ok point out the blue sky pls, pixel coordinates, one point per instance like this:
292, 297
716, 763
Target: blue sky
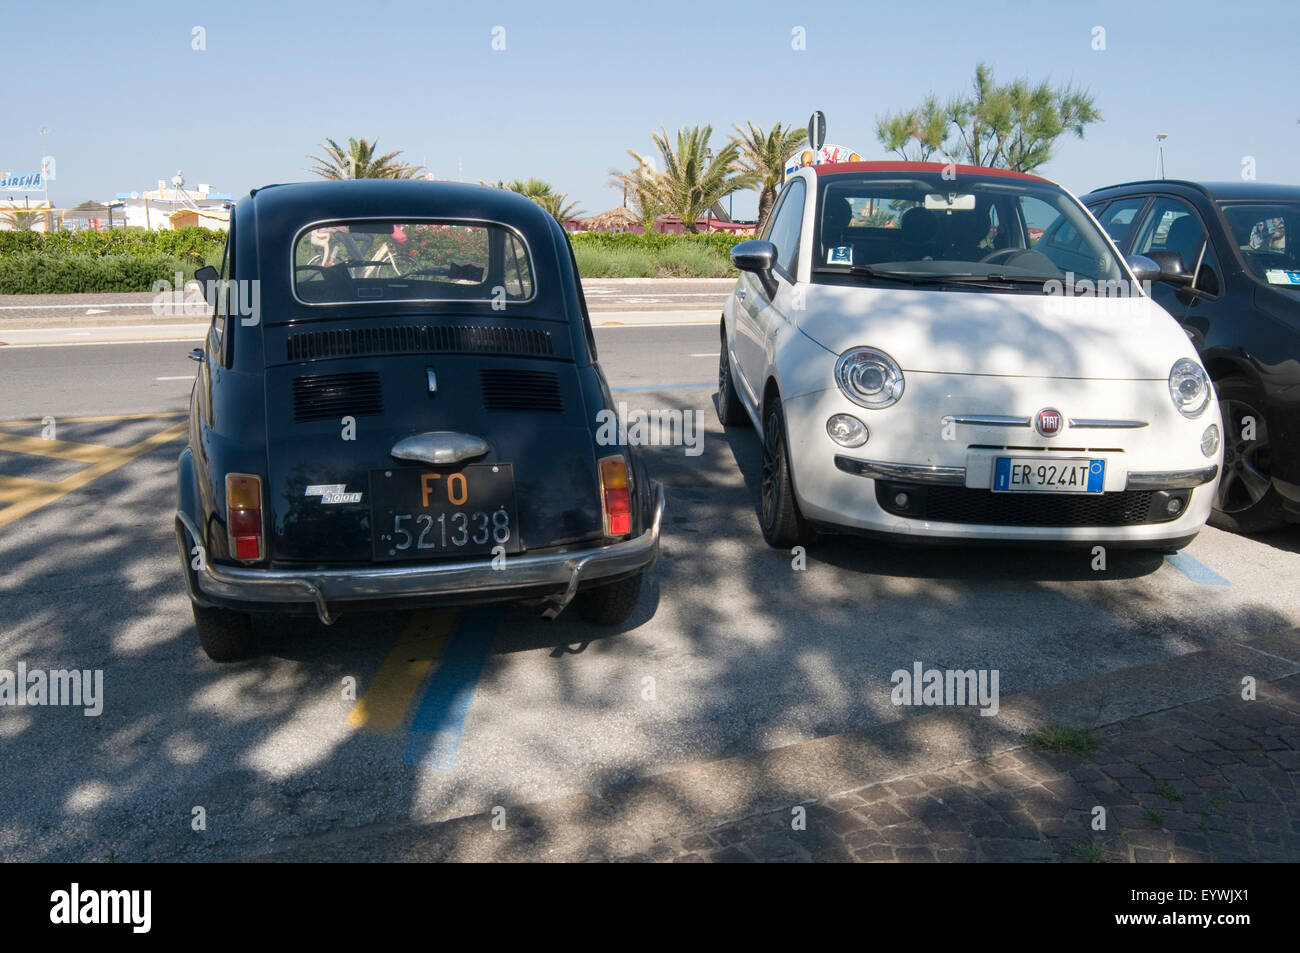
127, 101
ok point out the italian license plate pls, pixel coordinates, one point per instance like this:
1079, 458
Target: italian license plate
1036, 475
426, 514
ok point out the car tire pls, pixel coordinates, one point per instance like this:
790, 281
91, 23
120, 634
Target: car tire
730, 411
226, 635
1246, 500
611, 603
778, 513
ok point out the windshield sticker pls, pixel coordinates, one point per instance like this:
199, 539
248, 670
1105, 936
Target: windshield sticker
1276, 276
332, 493
840, 255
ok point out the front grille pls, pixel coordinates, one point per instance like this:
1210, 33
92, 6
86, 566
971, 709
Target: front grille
536, 391
322, 396
959, 504
421, 339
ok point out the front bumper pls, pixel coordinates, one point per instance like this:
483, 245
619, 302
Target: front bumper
326, 589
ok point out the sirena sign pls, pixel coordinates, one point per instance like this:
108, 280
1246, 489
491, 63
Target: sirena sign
22, 181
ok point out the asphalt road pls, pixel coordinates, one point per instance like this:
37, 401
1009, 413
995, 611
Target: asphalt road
731, 651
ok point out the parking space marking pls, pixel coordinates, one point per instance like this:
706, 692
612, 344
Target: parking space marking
421, 643
440, 719
1195, 570
24, 496
111, 418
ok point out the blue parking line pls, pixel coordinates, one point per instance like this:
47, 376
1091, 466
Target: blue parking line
440, 719
1195, 570
664, 386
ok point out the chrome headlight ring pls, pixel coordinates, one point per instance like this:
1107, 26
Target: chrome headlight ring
869, 377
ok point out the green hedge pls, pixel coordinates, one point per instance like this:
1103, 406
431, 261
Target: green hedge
194, 245
721, 242
43, 272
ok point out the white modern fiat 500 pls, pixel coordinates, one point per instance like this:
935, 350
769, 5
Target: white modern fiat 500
960, 353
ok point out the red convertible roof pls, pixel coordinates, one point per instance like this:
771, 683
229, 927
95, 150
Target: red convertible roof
836, 168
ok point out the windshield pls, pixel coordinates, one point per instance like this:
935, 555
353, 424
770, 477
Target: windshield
390, 260
921, 227
1259, 231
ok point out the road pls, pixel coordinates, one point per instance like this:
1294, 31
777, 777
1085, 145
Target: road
732, 650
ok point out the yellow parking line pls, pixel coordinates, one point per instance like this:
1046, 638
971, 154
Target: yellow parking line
108, 459
96, 420
63, 449
14, 489
383, 707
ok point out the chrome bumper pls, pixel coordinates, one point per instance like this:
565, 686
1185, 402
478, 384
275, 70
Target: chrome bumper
325, 586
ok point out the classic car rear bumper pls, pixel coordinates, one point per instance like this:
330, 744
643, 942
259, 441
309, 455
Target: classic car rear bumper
326, 588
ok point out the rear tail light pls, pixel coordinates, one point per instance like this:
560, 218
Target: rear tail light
616, 495
244, 516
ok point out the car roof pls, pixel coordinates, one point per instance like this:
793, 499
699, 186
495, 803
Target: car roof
384, 198
841, 168
1220, 191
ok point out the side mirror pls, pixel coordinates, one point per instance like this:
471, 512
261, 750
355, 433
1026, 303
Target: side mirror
1172, 269
196, 354
757, 257
1144, 269
207, 277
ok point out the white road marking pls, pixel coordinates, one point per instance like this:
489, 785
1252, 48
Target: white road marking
706, 354
183, 377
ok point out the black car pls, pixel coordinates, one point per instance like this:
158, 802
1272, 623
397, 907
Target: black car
396, 406
1230, 275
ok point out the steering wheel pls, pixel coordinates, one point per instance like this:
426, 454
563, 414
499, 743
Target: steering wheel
1002, 256
321, 271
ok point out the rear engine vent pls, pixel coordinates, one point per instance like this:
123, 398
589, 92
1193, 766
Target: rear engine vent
322, 396
423, 339
537, 391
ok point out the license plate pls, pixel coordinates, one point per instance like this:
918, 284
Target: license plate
426, 514
1036, 475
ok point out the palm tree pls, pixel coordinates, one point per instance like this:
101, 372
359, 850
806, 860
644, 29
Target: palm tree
358, 161
554, 203
544, 194
763, 155
692, 180
22, 219
635, 190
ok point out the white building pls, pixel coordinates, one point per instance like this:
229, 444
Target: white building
166, 207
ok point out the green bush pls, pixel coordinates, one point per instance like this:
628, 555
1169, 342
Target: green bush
46, 272
193, 245
654, 255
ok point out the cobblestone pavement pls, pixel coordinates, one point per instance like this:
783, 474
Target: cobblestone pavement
1215, 780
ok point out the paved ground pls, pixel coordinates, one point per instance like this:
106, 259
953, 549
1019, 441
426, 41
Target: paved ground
1216, 780
734, 657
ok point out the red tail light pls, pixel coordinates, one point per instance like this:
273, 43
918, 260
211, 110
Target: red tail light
244, 516
616, 495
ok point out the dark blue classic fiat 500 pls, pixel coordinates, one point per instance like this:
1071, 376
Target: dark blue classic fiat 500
397, 406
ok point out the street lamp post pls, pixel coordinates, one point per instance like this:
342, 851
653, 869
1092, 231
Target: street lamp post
1160, 153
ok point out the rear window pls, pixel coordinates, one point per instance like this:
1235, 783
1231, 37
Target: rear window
393, 260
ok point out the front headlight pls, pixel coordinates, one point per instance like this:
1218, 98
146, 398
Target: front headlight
869, 378
1189, 387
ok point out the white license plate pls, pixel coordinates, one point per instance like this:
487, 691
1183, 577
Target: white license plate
1036, 475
